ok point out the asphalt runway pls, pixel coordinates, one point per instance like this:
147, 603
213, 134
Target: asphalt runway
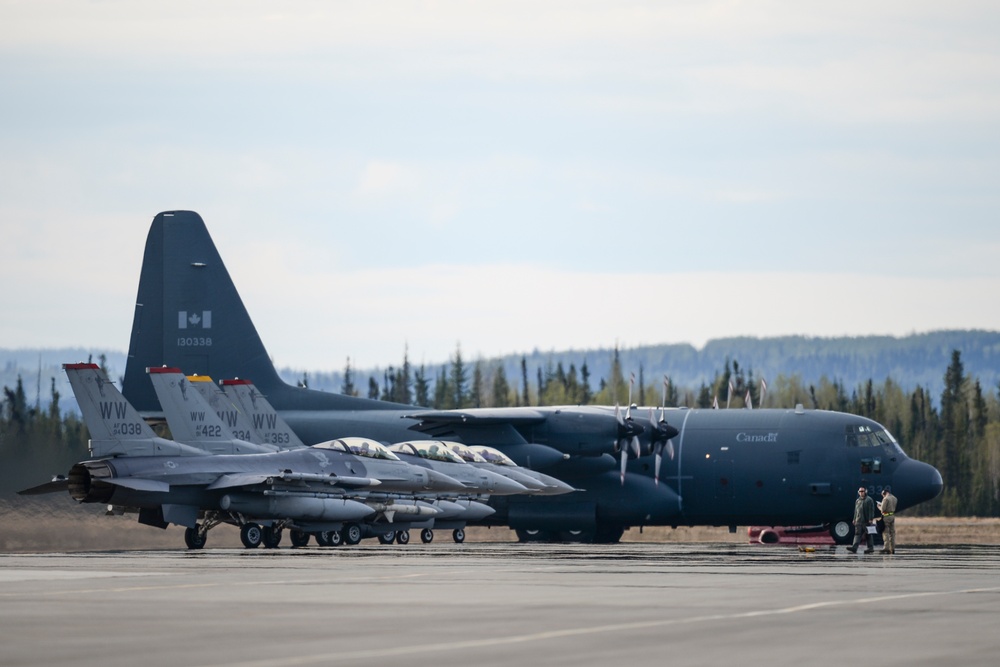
501, 604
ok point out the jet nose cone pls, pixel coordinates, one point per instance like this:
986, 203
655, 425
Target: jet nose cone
558, 487
438, 481
503, 486
916, 482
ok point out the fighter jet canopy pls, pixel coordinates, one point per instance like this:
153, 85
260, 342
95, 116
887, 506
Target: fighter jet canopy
494, 456
359, 447
435, 451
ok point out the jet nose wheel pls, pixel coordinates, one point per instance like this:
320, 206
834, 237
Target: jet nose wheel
426, 535
251, 535
458, 535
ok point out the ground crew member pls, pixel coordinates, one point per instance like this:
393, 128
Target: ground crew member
888, 509
864, 515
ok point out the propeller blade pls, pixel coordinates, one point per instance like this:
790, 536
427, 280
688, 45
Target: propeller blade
628, 410
670, 449
635, 446
624, 461
659, 460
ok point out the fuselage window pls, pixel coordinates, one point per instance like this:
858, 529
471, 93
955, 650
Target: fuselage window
872, 466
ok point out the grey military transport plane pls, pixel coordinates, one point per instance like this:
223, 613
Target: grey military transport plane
728, 467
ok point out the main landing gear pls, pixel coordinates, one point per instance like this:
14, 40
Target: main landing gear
842, 531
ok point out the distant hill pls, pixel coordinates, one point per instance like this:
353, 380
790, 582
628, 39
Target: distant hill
918, 359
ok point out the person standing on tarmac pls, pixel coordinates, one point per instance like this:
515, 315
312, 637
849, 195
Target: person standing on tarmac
888, 509
864, 515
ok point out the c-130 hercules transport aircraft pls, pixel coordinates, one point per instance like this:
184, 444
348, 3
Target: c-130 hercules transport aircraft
671, 467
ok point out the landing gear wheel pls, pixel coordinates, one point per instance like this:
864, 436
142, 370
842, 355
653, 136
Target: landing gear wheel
251, 535
574, 536
298, 538
351, 533
842, 532
387, 538
335, 539
271, 537
194, 539
458, 535
532, 535
426, 535
403, 537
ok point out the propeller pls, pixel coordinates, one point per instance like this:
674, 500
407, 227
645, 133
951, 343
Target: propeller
627, 439
661, 439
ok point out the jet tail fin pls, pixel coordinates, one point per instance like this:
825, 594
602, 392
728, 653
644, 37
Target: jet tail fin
192, 419
188, 315
268, 424
116, 429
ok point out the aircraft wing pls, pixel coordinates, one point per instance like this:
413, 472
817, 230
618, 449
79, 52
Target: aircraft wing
138, 484
484, 426
238, 479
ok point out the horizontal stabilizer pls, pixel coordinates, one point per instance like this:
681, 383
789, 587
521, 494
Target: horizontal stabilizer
58, 483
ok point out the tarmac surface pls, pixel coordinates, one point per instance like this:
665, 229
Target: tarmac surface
502, 604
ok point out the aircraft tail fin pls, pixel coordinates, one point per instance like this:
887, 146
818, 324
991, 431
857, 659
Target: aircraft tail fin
192, 419
116, 429
188, 313
268, 424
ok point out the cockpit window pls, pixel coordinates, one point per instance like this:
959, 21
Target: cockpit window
863, 435
494, 456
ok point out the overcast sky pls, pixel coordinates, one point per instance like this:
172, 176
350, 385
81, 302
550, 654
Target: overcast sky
506, 175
